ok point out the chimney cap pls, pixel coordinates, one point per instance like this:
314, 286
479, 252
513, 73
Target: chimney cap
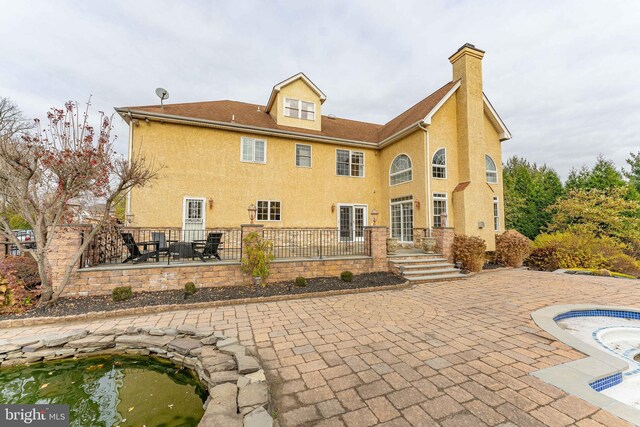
467, 46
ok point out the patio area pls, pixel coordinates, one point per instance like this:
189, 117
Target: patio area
452, 354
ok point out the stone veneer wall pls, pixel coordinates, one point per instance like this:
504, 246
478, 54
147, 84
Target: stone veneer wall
102, 280
444, 237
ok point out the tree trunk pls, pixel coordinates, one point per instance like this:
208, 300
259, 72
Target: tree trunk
45, 282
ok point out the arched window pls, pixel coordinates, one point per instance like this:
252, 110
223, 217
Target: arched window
400, 170
492, 171
439, 164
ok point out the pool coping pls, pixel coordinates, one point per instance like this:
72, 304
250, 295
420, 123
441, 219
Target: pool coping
576, 376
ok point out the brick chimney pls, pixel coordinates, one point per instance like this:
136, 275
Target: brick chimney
467, 67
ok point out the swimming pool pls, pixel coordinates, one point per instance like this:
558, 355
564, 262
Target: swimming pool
610, 336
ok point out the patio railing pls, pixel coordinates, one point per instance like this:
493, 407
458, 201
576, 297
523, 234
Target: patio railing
163, 245
316, 242
135, 245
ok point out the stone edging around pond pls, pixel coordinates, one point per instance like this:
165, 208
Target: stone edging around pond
95, 315
238, 391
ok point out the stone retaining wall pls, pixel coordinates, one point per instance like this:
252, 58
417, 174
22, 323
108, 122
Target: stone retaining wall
238, 392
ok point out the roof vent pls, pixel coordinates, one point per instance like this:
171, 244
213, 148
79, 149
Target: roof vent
258, 108
233, 117
332, 116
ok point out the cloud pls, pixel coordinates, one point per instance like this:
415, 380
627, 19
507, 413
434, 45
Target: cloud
563, 75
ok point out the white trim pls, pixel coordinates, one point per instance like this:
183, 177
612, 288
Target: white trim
350, 152
184, 210
446, 204
496, 203
353, 225
413, 215
486, 170
397, 173
434, 110
295, 156
253, 150
286, 82
129, 157
446, 174
495, 119
268, 210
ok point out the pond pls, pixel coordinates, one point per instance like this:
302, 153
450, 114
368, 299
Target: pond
110, 391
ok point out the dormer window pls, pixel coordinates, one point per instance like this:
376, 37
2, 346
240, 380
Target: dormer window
299, 109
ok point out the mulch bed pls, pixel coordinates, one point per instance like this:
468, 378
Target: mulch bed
82, 305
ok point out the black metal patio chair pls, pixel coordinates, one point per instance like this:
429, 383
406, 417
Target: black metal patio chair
135, 254
211, 247
163, 244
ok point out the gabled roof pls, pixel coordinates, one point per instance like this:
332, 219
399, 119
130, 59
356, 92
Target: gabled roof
236, 115
299, 76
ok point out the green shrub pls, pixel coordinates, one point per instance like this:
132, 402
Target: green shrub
190, 288
581, 250
257, 255
122, 293
470, 251
301, 281
346, 276
512, 248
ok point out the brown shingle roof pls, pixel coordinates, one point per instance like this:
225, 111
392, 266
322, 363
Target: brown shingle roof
254, 115
414, 114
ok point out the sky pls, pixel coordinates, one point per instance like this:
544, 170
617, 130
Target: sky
563, 75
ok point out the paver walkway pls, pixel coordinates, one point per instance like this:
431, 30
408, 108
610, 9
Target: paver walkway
451, 354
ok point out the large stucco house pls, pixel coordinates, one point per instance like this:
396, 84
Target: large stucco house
436, 164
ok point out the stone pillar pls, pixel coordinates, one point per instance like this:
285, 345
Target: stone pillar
376, 242
250, 228
67, 240
444, 237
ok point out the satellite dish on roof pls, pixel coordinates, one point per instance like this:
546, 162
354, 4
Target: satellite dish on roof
162, 94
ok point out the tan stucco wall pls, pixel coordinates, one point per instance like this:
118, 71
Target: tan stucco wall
203, 162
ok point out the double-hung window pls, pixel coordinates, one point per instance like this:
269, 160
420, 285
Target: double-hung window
268, 210
303, 155
439, 209
349, 163
253, 150
439, 164
491, 169
299, 109
496, 214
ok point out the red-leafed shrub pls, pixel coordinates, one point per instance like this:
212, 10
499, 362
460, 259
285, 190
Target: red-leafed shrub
470, 251
512, 248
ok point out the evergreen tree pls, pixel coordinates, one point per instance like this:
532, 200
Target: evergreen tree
528, 190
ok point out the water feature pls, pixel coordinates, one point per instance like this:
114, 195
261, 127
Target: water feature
110, 391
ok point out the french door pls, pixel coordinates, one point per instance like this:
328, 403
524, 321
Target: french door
351, 222
193, 221
402, 218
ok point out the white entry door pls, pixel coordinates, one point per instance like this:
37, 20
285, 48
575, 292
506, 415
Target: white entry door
193, 219
351, 222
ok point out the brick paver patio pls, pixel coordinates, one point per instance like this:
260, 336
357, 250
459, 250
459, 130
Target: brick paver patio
451, 354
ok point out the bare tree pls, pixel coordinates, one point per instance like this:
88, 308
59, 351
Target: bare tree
42, 171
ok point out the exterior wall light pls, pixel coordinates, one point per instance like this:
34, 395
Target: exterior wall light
210, 202
252, 212
374, 216
128, 218
333, 207
417, 203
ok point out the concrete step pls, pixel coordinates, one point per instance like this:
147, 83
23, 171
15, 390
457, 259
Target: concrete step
426, 266
431, 272
435, 278
420, 260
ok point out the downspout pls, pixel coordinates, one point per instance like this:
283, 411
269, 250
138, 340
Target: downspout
427, 177
129, 156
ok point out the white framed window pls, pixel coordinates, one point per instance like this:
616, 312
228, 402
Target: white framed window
496, 213
439, 164
303, 155
253, 150
491, 169
349, 163
400, 170
299, 109
402, 218
268, 210
439, 209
